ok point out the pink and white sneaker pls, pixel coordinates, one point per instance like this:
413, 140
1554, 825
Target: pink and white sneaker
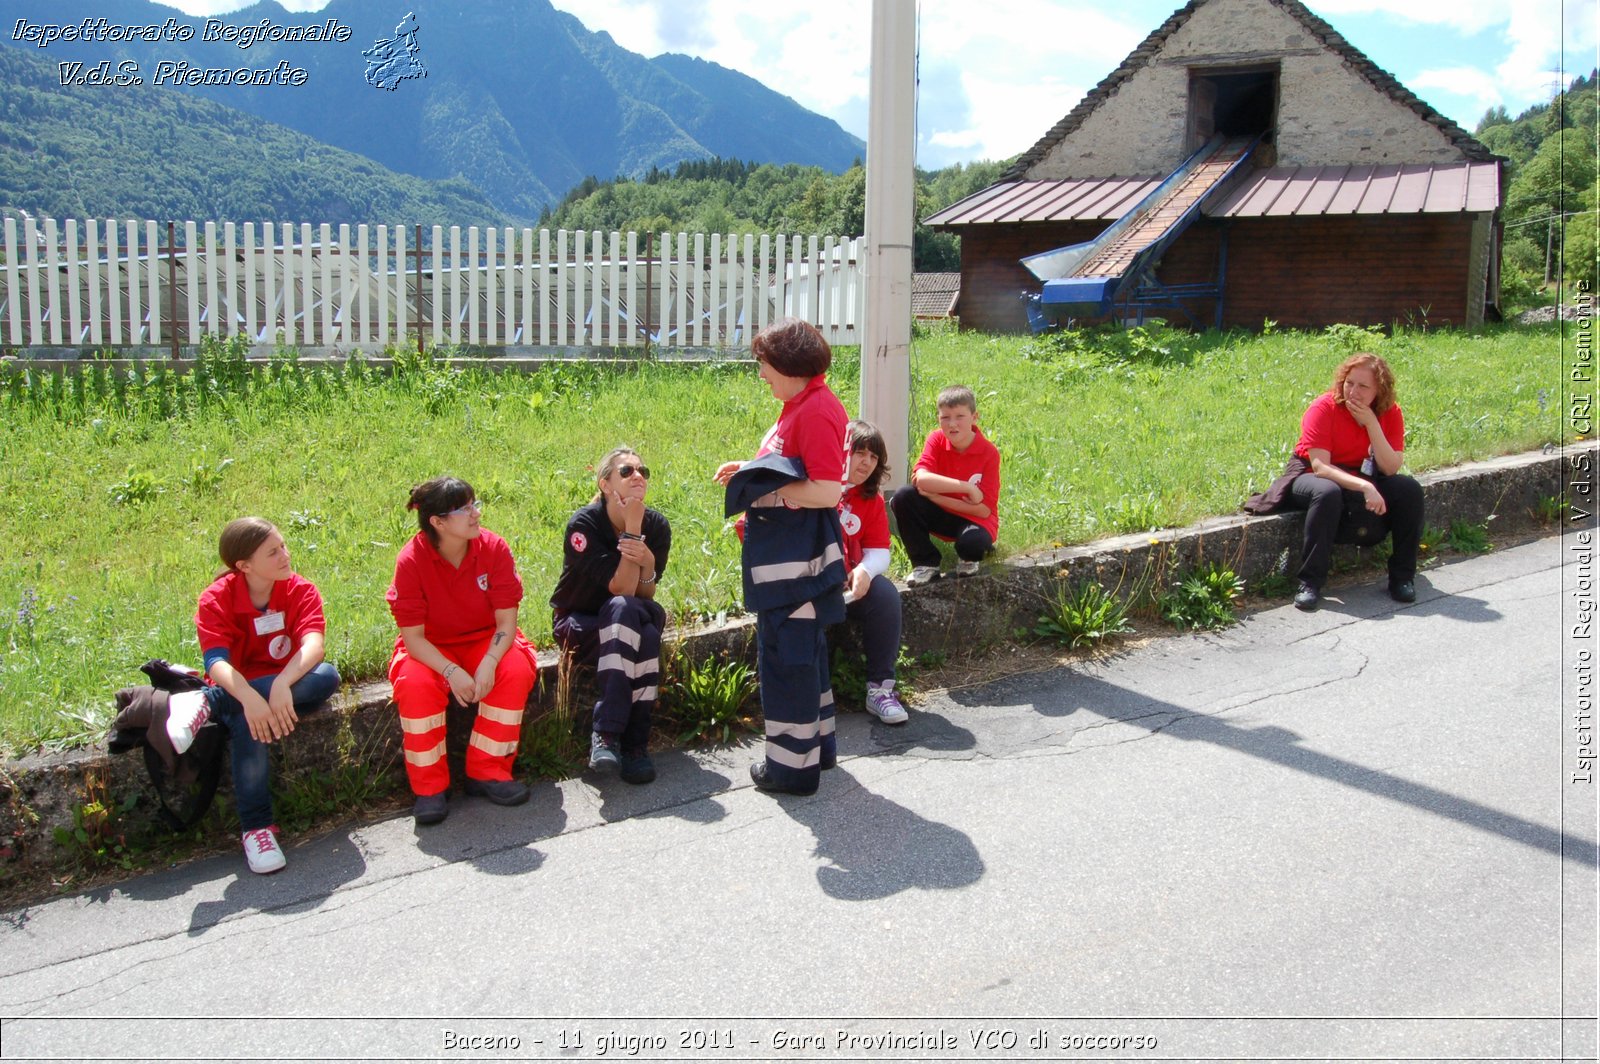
262, 851
187, 713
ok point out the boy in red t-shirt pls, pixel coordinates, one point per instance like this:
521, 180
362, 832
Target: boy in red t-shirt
954, 492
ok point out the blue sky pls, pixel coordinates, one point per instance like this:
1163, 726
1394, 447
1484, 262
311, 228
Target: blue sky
995, 75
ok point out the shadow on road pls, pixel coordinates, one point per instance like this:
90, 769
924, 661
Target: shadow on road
1073, 692
317, 870
876, 848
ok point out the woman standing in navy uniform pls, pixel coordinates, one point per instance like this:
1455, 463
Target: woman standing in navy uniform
793, 558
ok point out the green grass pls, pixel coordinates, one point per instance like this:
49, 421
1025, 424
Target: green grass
112, 510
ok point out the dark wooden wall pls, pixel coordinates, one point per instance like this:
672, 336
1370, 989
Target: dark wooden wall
1299, 272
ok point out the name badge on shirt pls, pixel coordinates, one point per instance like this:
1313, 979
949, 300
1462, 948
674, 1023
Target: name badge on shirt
269, 622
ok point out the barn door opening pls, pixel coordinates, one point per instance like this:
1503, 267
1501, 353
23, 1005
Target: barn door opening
1235, 102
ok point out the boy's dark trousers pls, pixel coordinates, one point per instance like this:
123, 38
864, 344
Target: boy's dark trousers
918, 519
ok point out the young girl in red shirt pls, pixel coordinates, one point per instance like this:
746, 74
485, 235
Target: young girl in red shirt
261, 633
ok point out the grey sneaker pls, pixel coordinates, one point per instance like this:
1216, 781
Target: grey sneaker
604, 755
884, 704
922, 574
966, 568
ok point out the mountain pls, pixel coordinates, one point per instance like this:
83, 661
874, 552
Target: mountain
519, 99
171, 156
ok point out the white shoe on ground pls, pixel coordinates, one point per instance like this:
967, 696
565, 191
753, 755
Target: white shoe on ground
883, 703
922, 574
262, 851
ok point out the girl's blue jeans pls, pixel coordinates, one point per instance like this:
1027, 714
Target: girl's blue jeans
251, 763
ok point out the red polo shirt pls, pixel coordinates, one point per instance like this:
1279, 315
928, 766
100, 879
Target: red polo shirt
453, 604
811, 428
865, 521
258, 642
1328, 426
979, 464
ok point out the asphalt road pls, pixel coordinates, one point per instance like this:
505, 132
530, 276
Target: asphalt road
1345, 835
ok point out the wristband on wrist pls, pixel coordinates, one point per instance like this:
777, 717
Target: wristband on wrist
649, 579
630, 535
448, 669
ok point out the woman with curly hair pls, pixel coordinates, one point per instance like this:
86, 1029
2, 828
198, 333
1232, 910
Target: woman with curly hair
1345, 475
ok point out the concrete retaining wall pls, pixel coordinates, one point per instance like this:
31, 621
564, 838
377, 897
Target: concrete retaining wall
955, 617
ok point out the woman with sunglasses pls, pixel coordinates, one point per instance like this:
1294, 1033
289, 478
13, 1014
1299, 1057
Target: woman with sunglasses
455, 597
613, 556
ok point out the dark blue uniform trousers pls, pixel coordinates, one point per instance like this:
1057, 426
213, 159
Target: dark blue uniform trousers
796, 696
623, 643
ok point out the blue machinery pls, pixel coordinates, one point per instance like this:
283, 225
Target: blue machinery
1116, 270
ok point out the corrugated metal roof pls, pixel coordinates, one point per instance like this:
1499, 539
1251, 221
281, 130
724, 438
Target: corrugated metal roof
1283, 191
1048, 201
933, 295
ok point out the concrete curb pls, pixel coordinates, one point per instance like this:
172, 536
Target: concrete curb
954, 617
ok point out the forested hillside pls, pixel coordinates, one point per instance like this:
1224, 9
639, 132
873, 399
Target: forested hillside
1552, 188
518, 98
170, 156
730, 196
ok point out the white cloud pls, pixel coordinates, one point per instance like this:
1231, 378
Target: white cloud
1469, 82
1467, 16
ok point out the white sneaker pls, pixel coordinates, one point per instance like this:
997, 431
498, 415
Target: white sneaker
965, 568
922, 574
261, 850
884, 704
187, 713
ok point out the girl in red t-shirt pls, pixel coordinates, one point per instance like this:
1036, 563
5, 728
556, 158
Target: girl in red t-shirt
1347, 460
871, 599
261, 634
454, 597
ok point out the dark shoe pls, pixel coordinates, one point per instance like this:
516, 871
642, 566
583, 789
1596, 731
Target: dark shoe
430, 808
758, 776
604, 752
1306, 598
500, 792
638, 768
1402, 591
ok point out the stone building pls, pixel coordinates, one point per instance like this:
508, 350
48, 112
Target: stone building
1356, 201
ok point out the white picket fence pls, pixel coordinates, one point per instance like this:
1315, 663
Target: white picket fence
93, 284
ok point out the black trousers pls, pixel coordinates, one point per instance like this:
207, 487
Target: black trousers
1334, 515
918, 519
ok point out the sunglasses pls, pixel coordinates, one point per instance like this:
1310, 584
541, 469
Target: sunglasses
473, 507
626, 472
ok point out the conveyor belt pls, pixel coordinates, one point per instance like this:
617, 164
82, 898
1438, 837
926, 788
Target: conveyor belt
1088, 275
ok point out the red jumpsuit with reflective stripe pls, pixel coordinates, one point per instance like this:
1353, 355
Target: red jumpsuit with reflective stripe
455, 606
